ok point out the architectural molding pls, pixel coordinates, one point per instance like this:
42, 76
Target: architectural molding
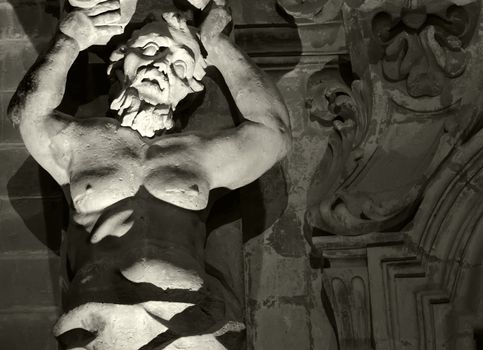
395, 209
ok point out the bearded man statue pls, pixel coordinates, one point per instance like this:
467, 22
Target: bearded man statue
134, 249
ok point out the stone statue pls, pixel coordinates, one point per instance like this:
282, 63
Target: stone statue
134, 248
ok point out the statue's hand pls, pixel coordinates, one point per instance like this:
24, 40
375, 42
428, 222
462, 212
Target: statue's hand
217, 20
94, 25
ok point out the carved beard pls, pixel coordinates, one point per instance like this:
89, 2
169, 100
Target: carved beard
142, 113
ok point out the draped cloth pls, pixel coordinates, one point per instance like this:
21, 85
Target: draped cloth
93, 271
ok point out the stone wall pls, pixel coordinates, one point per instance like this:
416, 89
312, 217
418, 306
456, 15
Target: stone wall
31, 204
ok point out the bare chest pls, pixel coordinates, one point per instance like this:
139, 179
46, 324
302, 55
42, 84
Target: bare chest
106, 168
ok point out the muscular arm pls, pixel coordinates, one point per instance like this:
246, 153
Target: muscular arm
39, 93
238, 157
41, 90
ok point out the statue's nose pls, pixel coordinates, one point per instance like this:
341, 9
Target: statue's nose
162, 65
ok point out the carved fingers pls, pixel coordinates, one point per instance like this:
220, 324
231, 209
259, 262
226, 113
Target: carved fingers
113, 222
85, 4
104, 7
93, 23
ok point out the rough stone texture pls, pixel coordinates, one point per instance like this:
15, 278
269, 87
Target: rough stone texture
31, 224
281, 287
27, 19
283, 294
394, 209
23, 177
30, 205
18, 190
373, 242
27, 328
286, 301
39, 268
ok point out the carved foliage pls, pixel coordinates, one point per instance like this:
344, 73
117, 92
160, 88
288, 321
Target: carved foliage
399, 117
424, 50
342, 107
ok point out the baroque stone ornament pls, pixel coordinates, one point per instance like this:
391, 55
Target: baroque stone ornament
415, 288
401, 116
134, 248
394, 207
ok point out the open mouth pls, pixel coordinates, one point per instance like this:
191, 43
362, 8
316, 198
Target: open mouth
152, 85
150, 76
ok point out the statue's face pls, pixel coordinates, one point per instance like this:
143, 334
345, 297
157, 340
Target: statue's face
162, 64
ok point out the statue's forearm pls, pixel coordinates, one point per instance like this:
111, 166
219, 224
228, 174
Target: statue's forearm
255, 95
42, 88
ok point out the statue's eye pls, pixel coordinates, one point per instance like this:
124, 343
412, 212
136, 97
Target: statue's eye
150, 49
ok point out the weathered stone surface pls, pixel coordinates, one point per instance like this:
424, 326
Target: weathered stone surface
281, 327
7, 132
256, 12
387, 144
31, 279
27, 19
274, 275
134, 250
31, 224
26, 329
405, 118
23, 177
15, 58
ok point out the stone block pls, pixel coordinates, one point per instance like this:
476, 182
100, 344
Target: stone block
27, 19
253, 11
22, 177
272, 275
29, 280
28, 330
282, 327
8, 133
16, 57
31, 224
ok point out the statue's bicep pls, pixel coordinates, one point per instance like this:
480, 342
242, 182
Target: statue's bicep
49, 143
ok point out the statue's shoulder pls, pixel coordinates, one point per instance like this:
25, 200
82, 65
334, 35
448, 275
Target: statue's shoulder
92, 128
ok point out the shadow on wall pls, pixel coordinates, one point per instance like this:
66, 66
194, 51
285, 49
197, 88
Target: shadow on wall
38, 20
32, 193
45, 217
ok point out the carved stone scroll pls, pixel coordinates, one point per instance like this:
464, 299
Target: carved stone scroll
397, 115
395, 206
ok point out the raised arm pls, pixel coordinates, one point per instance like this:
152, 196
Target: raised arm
33, 105
240, 156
